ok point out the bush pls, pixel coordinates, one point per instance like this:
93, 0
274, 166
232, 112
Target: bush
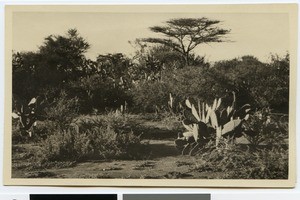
17, 135
43, 129
94, 137
263, 164
62, 110
53, 117
239, 163
171, 121
182, 83
260, 84
98, 143
112, 120
97, 92
149, 96
265, 128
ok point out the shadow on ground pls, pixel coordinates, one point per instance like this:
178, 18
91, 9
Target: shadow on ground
162, 148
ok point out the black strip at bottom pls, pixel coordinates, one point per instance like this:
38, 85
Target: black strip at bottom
73, 197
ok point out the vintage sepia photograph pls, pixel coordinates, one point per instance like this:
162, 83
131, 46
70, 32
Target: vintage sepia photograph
196, 95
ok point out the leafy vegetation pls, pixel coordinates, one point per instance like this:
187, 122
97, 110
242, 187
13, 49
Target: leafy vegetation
205, 123
239, 163
184, 34
97, 143
70, 109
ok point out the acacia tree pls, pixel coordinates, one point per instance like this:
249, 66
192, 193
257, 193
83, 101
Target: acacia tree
184, 34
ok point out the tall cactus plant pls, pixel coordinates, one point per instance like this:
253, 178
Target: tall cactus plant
27, 115
211, 122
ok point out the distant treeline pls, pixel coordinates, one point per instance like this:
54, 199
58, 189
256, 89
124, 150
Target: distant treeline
145, 81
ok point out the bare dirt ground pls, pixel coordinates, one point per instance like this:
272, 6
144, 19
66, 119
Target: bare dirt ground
164, 161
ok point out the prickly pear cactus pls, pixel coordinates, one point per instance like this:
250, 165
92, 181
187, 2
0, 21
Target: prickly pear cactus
204, 123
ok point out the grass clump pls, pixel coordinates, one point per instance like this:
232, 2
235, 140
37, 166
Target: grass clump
95, 143
242, 163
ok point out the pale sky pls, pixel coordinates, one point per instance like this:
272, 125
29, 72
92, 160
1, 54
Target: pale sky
253, 34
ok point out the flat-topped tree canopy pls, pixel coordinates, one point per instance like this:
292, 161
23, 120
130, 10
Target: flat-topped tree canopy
184, 34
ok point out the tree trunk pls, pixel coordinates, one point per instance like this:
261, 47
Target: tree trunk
187, 59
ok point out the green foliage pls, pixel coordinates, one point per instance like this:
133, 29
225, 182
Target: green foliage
62, 110
24, 81
111, 120
150, 96
63, 56
171, 121
99, 93
101, 138
184, 34
59, 60
279, 78
265, 128
106, 88
43, 129
256, 83
112, 79
115, 68
187, 82
240, 163
261, 84
153, 61
17, 135
205, 123
56, 115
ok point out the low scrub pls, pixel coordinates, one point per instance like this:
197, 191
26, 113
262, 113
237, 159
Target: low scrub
264, 127
241, 163
90, 143
17, 135
171, 121
113, 120
93, 144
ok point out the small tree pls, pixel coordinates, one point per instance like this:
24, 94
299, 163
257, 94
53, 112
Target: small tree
184, 34
63, 56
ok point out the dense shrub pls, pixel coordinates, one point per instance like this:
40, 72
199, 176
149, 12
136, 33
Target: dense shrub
40, 131
59, 60
150, 96
264, 164
265, 128
153, 73
260, 84
62, 110
100, 91
171, 121
95, 137
17, 135
43, 129
111, 120
189, 82
97, 143
254, 82
241, 163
